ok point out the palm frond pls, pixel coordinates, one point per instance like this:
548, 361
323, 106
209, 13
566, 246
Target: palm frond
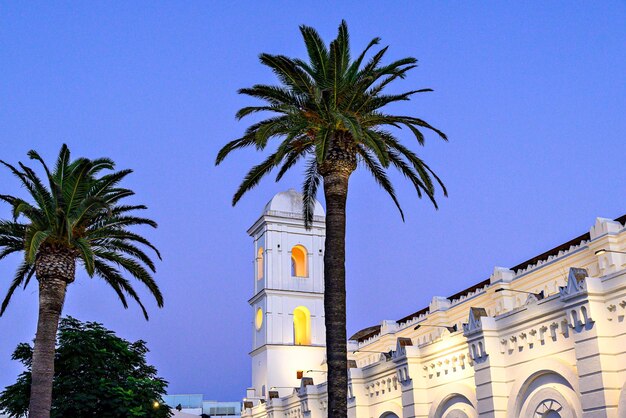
409, 173
317, 51
380, 176
23, 271
101, 235
110, 275
322, 144
242, 142
291, 159
86, 254
376, 145
356, 64
254, 176
134, 269
288, 72
127, 248
275, 95
312, 180
33, 242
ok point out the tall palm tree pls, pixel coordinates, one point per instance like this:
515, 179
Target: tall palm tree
77, 216
328, 111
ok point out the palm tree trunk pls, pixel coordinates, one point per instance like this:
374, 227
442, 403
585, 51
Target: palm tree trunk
51, 298
55, 269
336, 193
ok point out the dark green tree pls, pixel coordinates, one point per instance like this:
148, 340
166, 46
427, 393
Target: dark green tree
328, 111
97, 374
75, 214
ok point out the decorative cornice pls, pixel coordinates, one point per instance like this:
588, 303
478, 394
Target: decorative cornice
575, 283
474, 323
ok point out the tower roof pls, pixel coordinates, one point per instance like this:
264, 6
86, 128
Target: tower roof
290, 202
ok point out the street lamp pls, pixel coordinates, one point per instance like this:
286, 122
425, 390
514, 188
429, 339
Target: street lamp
539, 295
450, 329
604, 250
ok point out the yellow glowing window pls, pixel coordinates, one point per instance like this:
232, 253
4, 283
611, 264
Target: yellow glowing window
258, 320
301, 326
259, 264
298, 261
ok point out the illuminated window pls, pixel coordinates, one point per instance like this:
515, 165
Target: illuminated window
298, 261
301, 326
258, 320
259, 264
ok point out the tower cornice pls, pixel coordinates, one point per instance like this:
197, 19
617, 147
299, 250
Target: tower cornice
285, 218
268, 292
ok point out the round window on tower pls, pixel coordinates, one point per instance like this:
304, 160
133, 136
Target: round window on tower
258, 321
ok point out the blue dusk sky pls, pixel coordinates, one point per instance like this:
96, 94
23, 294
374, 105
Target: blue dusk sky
531, 94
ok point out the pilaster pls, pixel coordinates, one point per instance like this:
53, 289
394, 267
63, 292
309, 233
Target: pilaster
598, 374
489, 364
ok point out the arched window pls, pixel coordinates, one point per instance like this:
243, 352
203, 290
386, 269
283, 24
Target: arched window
299, 261
548, 409
258, 320
584, 317
259, 264
301, 326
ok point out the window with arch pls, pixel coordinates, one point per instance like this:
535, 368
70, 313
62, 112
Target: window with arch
299, 266
548, 409
260, 265
258, 319
301, 326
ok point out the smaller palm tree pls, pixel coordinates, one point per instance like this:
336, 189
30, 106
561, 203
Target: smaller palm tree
77, 216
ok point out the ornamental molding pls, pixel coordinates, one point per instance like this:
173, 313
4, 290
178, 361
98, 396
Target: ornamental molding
576, 283
474, 323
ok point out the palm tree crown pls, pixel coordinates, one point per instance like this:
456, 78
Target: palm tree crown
329, 111
78, 214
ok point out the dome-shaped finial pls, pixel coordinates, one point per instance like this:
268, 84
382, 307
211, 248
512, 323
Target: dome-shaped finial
290, 202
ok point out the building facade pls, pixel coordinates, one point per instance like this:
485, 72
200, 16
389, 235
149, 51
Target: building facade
545, 338
193, 405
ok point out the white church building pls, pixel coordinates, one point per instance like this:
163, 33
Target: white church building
545, 338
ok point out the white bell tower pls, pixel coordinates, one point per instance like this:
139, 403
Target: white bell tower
288, 299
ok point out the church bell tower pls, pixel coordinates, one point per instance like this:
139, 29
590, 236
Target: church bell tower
288, 298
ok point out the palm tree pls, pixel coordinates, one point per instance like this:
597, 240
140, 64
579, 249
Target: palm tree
77, 216
328, 111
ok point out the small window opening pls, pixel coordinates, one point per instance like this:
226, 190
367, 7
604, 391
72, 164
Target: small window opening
299, 261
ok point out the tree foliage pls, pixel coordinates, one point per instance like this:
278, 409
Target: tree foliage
97, 374
76, 210
329, 110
